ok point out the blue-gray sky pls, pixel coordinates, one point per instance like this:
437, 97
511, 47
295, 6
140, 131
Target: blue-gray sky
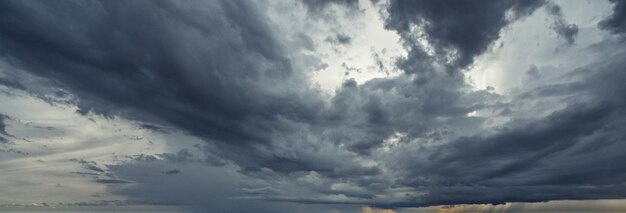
313, 106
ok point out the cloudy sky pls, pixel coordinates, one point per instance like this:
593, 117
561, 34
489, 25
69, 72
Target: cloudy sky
313, 105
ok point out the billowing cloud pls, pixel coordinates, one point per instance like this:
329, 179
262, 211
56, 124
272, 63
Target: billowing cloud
457, 31
215, 105
233, 85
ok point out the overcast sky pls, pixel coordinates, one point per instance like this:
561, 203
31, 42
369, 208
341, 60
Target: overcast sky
313, 105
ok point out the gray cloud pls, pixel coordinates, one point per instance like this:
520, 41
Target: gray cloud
3, 126
339, 38
12, 84
315, 6
218, 72
182, 156
408, 107
560, 26
227, 85
554, 158
172, 172
3, 131
616, 21
89, 165
458, 31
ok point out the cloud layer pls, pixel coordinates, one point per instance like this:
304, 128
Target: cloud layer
225, 74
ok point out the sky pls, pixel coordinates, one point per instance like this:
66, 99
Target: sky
364, 106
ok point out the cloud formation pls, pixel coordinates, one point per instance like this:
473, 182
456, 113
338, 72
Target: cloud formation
561, 27
615, 21
457, 31
224, 74
228, 85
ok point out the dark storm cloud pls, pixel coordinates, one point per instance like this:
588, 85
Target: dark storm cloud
156, 61
218, 72
498, 160
458, 30
12, 84
164, 62
160, 62
616, 22
569, 154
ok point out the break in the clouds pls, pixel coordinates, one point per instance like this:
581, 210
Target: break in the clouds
287, 106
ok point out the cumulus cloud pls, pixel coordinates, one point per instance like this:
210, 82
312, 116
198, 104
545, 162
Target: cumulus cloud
457, 31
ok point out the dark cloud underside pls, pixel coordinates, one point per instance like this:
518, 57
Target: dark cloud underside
161, 61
